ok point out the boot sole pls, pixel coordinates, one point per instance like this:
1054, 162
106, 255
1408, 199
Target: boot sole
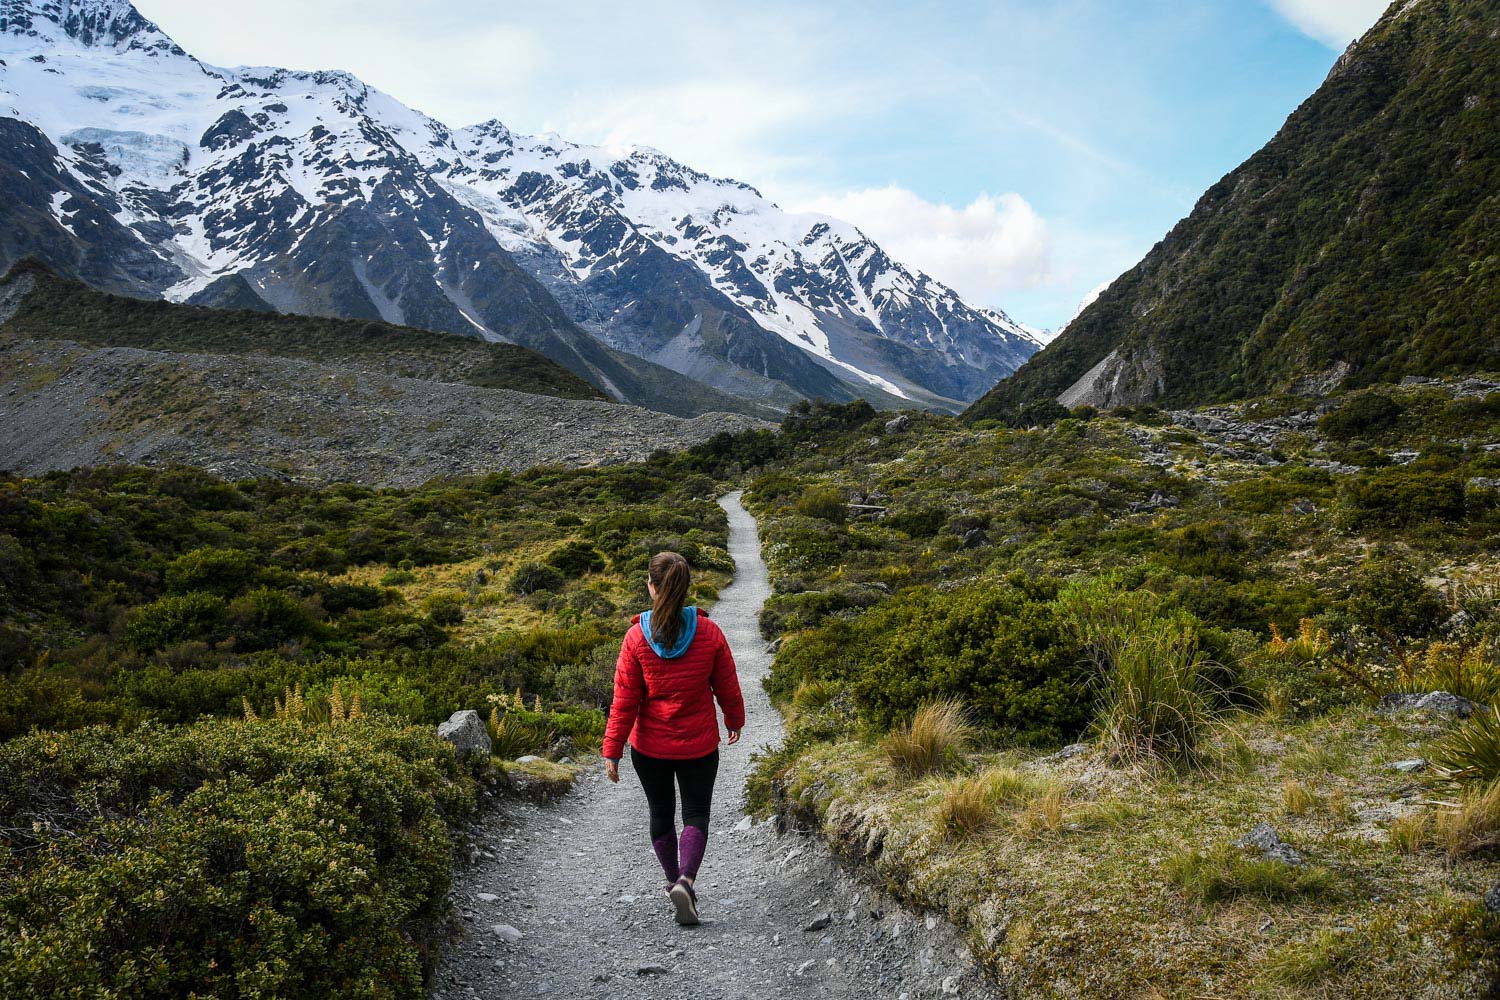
682, 900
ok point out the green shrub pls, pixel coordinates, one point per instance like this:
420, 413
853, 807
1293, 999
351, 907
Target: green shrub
1364, 415
825, 503
535, 577
575, 559
1400, 498
1387, 596
264, 618
272, 857
397, 577
445, 607
225, 572
176, 618
1471, 753
1000, 651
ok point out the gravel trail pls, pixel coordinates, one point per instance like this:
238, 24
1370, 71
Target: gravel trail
781, 919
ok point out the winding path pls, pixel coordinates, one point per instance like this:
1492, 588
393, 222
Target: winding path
579, 881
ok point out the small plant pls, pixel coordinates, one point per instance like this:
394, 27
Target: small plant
1043, 814
937, 733
1471, 753
1310, 963
1226, 872
1154, 705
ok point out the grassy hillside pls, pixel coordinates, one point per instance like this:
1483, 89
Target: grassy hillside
1212, 611
62, 309
1363, 235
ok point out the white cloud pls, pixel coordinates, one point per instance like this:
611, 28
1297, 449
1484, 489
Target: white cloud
984, 249
1335, 23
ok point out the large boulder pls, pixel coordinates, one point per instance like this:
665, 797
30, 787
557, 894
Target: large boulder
1436, 702
467, 732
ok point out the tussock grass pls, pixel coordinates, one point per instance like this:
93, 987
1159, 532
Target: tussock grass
970, 803
1153, 699
1408, 833
1472, 824
937, 733
1044, 814
1226, 872
1297, 799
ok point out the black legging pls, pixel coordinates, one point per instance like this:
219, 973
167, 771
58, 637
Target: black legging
696, 779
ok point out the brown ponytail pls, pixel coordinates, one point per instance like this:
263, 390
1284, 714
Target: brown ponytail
669, 575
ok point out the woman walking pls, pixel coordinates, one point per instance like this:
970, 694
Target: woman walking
673, 663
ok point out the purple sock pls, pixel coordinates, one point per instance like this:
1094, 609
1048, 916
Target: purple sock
694, 840
665, 847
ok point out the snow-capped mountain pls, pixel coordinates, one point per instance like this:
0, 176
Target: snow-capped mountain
141, 169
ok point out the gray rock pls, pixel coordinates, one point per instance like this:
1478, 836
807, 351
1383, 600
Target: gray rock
1437, 702
820, 922
897, 424
1264, 838
529, 758
487, 897
1415, 764
974, 538
506, 933
1492, 898
466, 731
652, 969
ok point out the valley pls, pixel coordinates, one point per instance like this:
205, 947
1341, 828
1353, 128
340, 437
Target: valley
337, 444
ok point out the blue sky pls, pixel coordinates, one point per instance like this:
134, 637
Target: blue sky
1024, 151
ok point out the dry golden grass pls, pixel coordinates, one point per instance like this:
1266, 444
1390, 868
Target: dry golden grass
1296, 798
1408, 833
1472, 824
1043, 814
969, 804
935, 736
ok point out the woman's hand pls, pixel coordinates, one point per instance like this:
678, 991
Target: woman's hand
734, 737
612, 770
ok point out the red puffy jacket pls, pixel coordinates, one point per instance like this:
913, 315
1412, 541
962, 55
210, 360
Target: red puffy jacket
666, 707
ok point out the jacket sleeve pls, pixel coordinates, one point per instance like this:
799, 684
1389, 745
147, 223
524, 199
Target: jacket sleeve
629, 687
725, 682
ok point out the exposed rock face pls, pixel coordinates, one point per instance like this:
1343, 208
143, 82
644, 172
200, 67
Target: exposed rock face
467, 732
1119, 380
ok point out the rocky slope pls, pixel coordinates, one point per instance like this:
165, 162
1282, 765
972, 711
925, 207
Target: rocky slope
140, 169
65, 405
1359, 245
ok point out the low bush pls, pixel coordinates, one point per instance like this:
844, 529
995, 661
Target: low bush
1470, 754
574, 559
533, 578
176, 618
445, 607
1154, 699
271, 857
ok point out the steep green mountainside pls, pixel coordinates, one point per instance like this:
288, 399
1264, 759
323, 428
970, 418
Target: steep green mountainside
1362, 242
55, 308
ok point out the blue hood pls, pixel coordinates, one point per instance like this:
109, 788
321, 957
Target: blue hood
689, 627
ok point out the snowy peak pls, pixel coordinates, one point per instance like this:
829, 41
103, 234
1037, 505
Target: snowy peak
331, 196
112, 24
